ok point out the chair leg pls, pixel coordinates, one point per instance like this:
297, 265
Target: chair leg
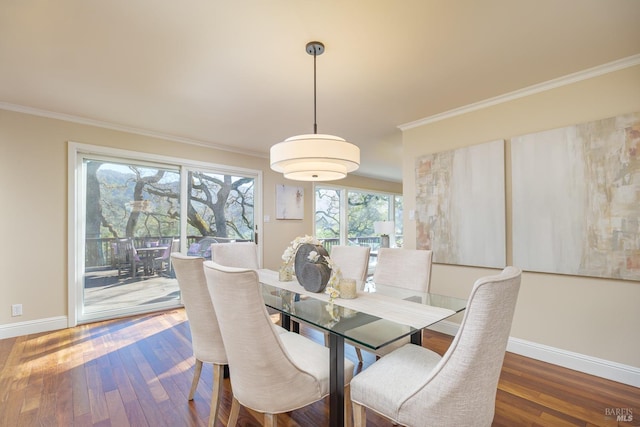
270, 420
359, 415
218, 379
348, 407
233, 414
196, 378
359, 354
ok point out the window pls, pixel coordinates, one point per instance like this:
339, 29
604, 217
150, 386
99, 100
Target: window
346, 216
222, 205
328, 204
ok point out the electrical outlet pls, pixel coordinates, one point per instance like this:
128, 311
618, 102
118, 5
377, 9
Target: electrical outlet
16, 310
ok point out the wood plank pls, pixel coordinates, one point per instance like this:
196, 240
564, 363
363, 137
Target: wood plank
6, 347
135, 414
97, 398
142, 390
64, 395
115, 406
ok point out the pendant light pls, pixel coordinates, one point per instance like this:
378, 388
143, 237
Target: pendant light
315, 157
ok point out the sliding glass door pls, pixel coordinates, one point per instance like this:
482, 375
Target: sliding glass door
132, 223
133, 212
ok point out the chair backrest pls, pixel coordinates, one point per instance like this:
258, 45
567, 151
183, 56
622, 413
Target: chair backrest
172, 245
463, 385
202, 248
235, 254
404, 268
175, 245
119, 249
352, 260
203, 323
263, 376
166, 254
125, 251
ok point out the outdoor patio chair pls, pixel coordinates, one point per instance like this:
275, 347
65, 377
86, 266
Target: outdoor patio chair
125, 257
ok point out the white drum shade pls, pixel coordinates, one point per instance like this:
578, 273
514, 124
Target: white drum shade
315, 157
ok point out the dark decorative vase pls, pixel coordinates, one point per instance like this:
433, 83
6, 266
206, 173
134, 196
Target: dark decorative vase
312, 276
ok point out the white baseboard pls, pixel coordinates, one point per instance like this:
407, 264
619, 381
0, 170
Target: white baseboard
614, 371
33, 327
579, 362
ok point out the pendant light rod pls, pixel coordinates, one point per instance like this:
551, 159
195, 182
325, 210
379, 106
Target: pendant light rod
315, 49
315, 108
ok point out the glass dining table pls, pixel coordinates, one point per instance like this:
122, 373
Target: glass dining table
378, 316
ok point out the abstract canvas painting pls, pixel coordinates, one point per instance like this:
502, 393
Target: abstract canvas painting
576, 199
289, 202
460, 205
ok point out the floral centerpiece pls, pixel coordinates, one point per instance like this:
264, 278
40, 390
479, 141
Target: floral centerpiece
307, 250
289, 255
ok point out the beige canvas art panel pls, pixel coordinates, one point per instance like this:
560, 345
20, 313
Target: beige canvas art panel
576, 199
460, 205
289, 202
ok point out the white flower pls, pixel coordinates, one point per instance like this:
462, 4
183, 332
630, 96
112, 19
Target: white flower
330, 262
336, 274
290, 252
313, 256
332, 292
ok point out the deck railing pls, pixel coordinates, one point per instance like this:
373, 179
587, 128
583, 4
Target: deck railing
99, 251
371, 241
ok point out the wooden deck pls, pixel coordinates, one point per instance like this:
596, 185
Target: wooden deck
105, 290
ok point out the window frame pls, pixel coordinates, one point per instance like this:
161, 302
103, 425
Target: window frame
76, 153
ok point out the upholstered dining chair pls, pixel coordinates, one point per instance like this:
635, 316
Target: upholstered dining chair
352, 260
414, 386
235, 254
354, 264
402, 268
287, 371
206, 339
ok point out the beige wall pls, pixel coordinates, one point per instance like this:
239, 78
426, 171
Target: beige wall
595, 317
33, 217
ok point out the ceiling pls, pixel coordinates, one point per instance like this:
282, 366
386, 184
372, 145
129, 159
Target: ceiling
235, 74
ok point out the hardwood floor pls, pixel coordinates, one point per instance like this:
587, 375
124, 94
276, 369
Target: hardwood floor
137, 372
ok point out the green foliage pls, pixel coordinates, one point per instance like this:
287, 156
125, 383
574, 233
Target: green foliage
221, 204
363, 209
327, 213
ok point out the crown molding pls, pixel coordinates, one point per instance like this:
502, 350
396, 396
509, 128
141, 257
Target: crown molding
122, 128
610, 67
